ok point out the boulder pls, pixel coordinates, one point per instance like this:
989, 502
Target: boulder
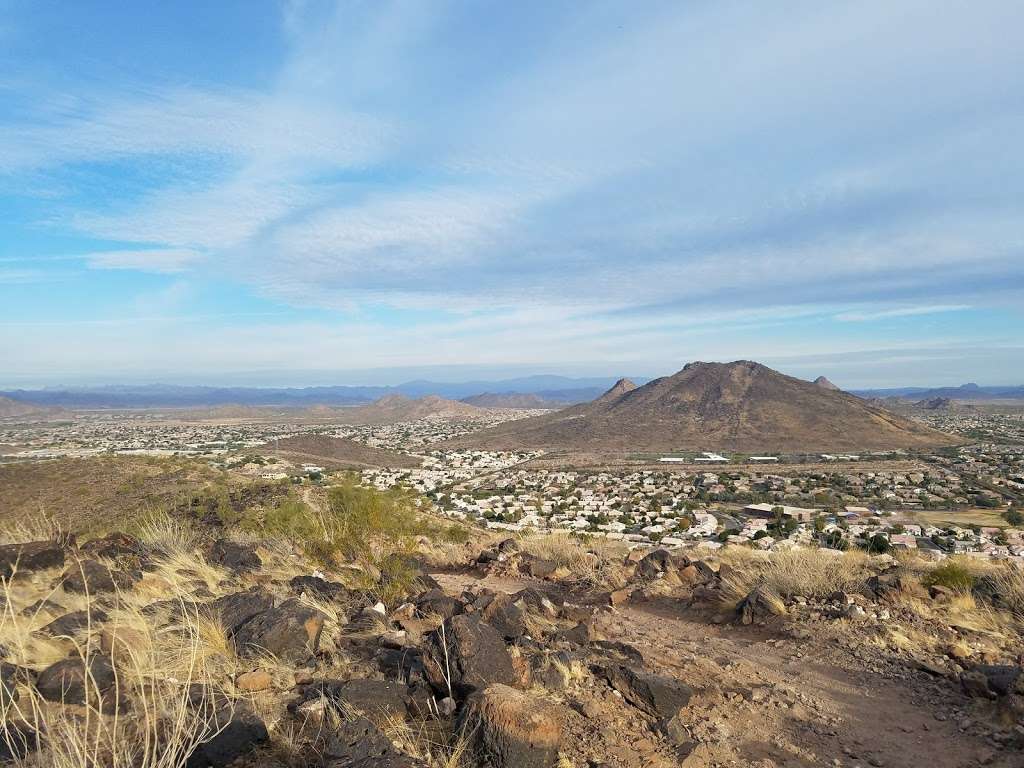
236, 557
88, 577
464, 654
759, 605
374, 699
505, 616
232, 611
74, 679
884, 584
358, 743
30, 557
435, 602
658, 561
659, 696
993, 680
243, 733
537, 567
537, 601
70, 623
10, 676
317, 587
254, 680
509, 728
290, 632
117, 546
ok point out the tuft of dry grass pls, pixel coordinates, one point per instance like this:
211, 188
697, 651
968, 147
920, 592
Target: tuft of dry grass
590, 563
809, 572
151, 719
167, 534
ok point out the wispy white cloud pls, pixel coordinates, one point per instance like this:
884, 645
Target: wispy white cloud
571, 183
166, 260
883, 314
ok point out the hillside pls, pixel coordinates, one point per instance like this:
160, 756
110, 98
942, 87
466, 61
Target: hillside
392, 409
516, 400
740, 406
17, 409
824, 383
338, 453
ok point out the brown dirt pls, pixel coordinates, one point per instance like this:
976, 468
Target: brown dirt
766, 699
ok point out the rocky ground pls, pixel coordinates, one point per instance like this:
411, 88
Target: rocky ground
244, 653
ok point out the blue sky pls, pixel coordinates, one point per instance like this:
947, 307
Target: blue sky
214, 191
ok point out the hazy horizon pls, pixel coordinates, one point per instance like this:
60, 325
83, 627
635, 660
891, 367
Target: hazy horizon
276, 189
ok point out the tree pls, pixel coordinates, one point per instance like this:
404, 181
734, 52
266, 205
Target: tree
878, 544
1014, 517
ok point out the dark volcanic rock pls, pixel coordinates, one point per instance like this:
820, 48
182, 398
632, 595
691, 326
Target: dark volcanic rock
70, 623
512, 729
88, 577
760, 605
658, 695
358, 743
291, 632
71, 680
317, 587
116, 546
373, 698
505, 616
232, 611
30, 557
436, 602
466, 653
235, 557
240, 736
658, 561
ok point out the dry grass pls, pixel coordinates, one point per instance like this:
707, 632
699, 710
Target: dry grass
593, 562
37, 527
810, 572
1010, 581
166, 534
159, 729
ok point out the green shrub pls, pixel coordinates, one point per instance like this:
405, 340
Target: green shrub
952, 574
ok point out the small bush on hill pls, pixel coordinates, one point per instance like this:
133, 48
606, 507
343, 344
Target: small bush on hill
951, 573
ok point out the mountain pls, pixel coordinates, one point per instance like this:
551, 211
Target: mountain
517, 400
739, 406
337, 453
964, 393
824, 383
557, 388
620, 388
391, 409
18, 409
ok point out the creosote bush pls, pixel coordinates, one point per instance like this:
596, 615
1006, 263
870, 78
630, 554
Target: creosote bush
952, 573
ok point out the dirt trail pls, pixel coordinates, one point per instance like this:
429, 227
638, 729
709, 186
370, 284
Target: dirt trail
763, 699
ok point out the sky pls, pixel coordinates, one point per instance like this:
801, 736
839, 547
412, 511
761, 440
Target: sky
277, 192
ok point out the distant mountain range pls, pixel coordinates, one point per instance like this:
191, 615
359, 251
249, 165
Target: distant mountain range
739, 406
965, 392
556, 389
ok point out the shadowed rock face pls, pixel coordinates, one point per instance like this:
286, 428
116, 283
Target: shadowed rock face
740, 406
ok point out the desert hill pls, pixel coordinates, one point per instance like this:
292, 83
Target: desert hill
516, 400
16, 409
741, 406
824, 383
620, 388
338, 453
395, 408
